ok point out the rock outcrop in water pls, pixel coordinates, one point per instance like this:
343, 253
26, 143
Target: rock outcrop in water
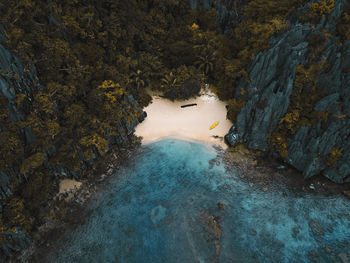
314, 136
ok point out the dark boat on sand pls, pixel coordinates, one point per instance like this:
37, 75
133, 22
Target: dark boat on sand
188, 105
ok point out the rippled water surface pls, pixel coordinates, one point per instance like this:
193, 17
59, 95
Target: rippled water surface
164, 208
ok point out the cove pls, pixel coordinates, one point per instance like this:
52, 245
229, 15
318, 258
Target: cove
162, 206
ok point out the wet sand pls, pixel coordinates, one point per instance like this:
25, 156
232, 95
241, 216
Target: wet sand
167, 119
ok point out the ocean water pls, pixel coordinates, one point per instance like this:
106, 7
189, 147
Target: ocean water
163, 207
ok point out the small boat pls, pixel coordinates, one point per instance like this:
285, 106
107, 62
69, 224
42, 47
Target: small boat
188, 105
214, 125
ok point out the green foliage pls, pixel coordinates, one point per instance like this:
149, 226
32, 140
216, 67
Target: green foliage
32, 162
290, 120
11, 149
17, 215
174, 84
317, 10
301, 107
343, 26
234, 107
95, 141
306, 93
90, 56
35, 191
263, 10
170, 81
261, 20
317, 43
332, 158
279, 143
205, 63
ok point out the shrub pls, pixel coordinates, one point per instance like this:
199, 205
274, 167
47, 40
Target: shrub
333, 157
343, 26
234, 107
317, 10
32, 162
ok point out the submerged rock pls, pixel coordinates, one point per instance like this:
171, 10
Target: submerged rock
316, 228
182, 222
221, 206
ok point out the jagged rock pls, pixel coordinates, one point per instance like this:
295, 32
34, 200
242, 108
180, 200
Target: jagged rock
272, 74
344, 257
326, 102
14, 242
232, 137
347, 193
226, 12
17, 78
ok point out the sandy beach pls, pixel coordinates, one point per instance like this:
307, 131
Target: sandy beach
167, 119
67, 185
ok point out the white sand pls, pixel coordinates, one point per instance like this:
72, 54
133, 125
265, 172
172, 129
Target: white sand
168, 119
67, 185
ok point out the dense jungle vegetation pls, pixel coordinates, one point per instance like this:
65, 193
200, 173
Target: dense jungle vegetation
91, 54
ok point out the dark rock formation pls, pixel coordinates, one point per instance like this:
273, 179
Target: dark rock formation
272, 74
13, 242
227, 10
125, 128
15, 78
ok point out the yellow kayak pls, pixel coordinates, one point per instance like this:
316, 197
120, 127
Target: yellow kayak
214, 125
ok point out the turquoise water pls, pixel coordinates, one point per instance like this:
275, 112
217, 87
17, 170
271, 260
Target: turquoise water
164, 208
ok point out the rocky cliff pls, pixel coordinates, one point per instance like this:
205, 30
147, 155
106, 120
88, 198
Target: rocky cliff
16, 79
297, 98
227, 10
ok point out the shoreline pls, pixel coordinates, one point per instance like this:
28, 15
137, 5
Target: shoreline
166, 119
69, 209
214, 143
257, 172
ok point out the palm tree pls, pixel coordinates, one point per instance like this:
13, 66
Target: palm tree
137, 79
170, 84
205, 63
170, 81
207, 46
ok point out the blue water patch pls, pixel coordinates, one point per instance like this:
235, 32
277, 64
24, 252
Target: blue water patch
163, 207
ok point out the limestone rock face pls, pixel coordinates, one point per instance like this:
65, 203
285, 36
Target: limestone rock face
15, 78
226, 10
272, 74
125, 128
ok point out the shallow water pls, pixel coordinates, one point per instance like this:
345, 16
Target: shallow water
161, 209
